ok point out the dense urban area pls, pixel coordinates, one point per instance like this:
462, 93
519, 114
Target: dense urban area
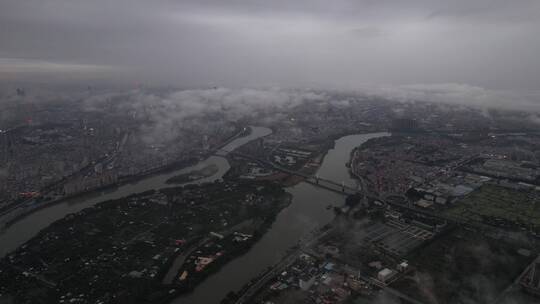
445, 207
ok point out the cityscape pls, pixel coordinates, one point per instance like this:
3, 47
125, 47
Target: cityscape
282, 152
416, 201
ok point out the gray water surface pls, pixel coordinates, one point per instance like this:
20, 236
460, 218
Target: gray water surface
306, 212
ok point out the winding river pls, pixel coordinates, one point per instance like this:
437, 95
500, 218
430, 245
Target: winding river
306, 212
28, 226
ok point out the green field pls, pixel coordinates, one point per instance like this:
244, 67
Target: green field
499, 205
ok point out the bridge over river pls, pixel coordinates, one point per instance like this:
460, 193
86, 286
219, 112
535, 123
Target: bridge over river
314, 180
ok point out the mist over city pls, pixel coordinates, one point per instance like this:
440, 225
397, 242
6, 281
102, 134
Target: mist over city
220, 152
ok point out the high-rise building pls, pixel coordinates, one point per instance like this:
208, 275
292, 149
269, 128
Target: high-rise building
4, 147
404, 125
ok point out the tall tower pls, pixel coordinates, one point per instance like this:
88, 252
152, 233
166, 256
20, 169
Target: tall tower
4, 148
206, 144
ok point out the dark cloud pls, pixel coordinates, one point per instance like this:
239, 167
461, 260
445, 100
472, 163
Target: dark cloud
486, 43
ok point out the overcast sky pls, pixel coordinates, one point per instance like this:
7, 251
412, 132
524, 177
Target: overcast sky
493, 44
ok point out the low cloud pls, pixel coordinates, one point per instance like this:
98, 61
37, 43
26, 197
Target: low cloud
166, 114
457, 94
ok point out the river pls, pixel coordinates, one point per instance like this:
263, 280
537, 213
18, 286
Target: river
306, 212
27, 227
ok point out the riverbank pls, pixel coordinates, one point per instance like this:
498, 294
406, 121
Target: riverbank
27, 227
177, 165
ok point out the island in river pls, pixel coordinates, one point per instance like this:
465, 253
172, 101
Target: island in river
120, 251
194, 175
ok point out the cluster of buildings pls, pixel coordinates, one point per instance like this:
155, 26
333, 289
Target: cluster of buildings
71, 148
393, 165
290, 158
38, 157
353, 259
447, 189
317, 276
210, 253
315, 280
523, 171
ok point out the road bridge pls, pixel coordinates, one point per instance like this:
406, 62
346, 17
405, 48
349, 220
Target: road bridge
314, 180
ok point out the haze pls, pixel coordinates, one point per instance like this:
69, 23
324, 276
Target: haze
492, 44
